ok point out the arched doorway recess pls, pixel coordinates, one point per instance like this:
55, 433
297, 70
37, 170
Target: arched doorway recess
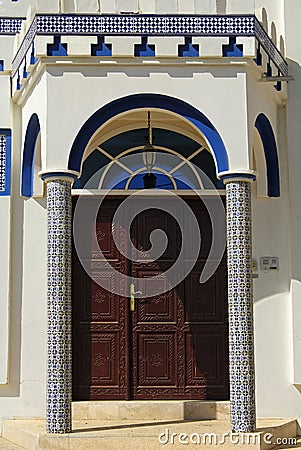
239, 265
171, 344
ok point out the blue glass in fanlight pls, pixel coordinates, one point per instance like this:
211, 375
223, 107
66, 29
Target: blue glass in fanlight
163, 182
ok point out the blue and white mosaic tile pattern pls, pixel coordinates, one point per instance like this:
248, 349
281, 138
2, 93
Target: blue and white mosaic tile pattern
10, 25
240, 298
271, 50
23, 49
5, 161
2, 163
59, 370
146, 24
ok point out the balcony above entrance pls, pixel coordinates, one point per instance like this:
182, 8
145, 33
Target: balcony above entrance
169, 39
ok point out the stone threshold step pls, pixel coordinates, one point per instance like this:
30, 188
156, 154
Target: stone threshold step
144, 435
7, 445
151, 410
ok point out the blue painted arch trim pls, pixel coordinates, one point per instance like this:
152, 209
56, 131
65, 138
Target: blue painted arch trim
32, 132
266, 133
138, 101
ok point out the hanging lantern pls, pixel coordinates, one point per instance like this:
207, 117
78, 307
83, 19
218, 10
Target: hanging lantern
149, 156
149, 159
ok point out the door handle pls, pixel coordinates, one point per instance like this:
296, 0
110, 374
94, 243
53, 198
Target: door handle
132, 296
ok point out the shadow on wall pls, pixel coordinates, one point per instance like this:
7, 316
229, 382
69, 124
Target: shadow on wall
294, 161
144, 72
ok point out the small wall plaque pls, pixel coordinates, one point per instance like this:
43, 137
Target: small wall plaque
269, 263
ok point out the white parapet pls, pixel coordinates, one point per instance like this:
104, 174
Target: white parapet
122, 45
204, 6
41, 44
186, 6
107, 6
147, 6
7, 50
46, 6
248, 45
240, 7
5, 104
166, 6
87, 6
211, 47
126, 6
79, 46
166, 47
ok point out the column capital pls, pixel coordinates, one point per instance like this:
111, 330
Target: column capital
59, 174
242, 175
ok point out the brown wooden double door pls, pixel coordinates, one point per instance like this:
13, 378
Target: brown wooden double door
173, 345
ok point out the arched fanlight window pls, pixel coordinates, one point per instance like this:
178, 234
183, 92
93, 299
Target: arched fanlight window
125, 161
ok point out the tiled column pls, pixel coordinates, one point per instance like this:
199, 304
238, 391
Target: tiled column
240, 299
59, 360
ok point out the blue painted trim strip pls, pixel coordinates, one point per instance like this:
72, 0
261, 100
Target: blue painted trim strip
266, 132
8, 144
238, 175
32, 132
138, 101
45, 176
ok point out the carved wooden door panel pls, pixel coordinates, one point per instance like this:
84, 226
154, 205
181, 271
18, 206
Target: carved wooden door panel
179, 338
173, 345
100, 317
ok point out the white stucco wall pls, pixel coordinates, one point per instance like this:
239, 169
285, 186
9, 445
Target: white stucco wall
34, 300
10, 8
275, 13
203, 88
292, 20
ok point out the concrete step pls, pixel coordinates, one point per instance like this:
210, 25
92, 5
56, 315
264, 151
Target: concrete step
151, 410
7, 445
147, 435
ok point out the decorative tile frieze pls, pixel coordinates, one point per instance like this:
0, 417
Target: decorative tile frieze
2, 162
5, 161
10, 25
270, 48
150, 25
146, 24
240, 301
59, 361
25, 46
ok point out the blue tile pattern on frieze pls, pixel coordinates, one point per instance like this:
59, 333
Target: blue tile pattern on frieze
146, 24
5, 161
10, 25
271, 50
240, 298
59, 369
23, 49
2, 162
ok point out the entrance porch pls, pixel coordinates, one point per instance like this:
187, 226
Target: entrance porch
151, 425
